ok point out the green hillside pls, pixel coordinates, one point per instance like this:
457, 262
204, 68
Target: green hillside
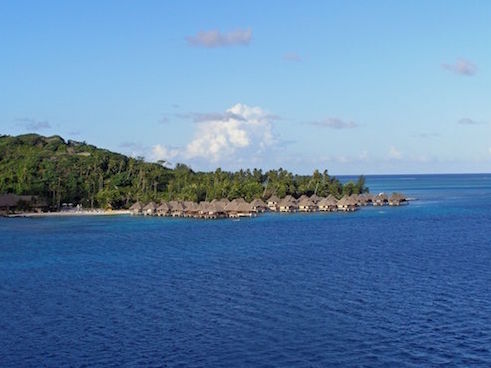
69, 171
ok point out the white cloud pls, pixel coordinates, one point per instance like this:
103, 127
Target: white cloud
394, 153
160, 152
241, 129
461, 67
215, 38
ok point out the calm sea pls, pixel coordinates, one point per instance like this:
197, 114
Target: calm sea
383, 287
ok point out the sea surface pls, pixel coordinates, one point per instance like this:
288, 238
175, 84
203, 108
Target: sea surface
382, 287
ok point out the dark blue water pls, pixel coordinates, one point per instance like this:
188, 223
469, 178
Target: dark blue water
383, 287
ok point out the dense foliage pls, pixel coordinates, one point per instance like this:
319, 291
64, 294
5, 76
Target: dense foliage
76, 172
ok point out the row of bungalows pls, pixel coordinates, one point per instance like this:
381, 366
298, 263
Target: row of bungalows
207, 210
241, 208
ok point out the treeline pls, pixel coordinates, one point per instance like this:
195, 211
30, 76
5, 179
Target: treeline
75, 172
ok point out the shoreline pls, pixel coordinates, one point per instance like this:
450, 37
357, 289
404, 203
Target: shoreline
71, 213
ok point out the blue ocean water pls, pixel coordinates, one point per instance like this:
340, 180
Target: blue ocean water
382, 287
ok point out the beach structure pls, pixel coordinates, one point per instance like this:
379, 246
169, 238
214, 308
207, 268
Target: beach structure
364, 199
209, 210
258, 205
329, 204
163, 209
238, 208
273, 203
190, 209
307, 205
150, 209
315, 198
176, 208
136, 208
380, 199
397, 199
13, 202
346, 204
288, 204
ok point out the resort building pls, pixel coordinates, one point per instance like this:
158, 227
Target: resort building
380, 199
315, 198
273, 203
163, 209
258, 205
136, 208
150, 209
397, 199
288, 205
176, 208
346, 204
306, 205
329, 204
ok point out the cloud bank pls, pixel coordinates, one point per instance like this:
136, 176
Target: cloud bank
215, 38
468, 121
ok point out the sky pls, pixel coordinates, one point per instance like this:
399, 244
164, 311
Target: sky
354, 87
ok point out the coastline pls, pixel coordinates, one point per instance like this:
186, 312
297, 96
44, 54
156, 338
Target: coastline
99, 212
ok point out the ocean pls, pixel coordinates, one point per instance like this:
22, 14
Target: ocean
383, 287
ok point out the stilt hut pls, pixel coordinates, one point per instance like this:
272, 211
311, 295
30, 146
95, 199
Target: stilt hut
380, 199
329, 204
273, 203
397, 199
288, 204
150, 209
258, 205
163, 209
136, 208
346, 204
176, 208
307, 205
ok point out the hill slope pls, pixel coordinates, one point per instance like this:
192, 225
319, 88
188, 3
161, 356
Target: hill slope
69, 171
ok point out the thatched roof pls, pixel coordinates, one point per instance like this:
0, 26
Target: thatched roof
346, 201
138, 206
397, 197
306, 202
274, 199
164, 207
151, 206
329, 201
244, 207
258, 203
303, 197
315, 198
290, 198
288, 201
176, 206
232, 207
8, 200
381, 197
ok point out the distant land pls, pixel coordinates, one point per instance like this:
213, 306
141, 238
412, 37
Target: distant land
60, 171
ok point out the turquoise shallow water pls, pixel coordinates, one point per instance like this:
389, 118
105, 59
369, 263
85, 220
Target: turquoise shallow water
382, 287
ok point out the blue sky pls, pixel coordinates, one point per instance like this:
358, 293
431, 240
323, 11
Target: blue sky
352, 86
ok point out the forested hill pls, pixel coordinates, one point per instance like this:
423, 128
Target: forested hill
69, 171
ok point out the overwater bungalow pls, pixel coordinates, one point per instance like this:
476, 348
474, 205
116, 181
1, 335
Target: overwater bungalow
397, 199
176, 208
307, 205
238, 208
273, 203
209, 210
303, 197
136, 208
291, 199
288, 205
150, 209
329, 204
380, 199
190, 209
364, 199
163, 209
315, 198
346, 204
258, 205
